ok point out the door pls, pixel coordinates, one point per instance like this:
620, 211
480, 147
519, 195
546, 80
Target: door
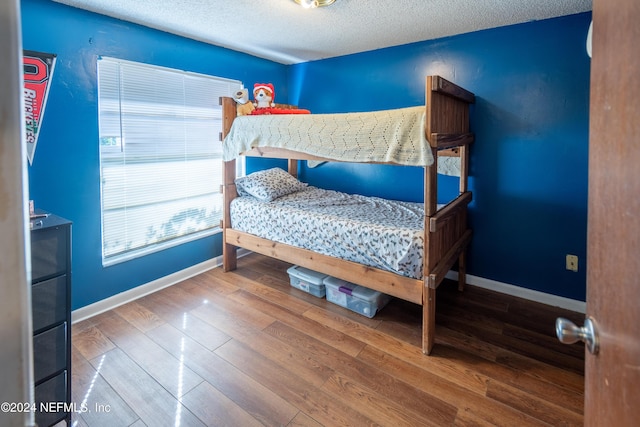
612, 377
15, 307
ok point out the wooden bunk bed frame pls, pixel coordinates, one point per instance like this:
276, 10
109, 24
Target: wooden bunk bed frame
446, 232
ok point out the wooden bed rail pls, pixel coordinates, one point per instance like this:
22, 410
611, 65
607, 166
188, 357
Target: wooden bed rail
444, 86
444, 141
283, 153
402, 287
437, 221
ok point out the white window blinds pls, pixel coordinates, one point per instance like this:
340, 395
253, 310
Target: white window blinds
160, 156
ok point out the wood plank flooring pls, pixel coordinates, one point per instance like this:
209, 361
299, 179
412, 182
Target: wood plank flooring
244, 348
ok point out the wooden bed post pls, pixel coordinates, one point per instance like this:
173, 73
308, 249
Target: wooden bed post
446, 127
430, 209
464, 168
293, 167
428, 317
428, 292
464, 186
431, 188
229, 252
462, 270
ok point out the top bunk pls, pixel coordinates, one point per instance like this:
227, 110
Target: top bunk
406, 136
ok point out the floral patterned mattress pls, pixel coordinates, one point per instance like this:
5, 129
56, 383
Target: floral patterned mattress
372, 231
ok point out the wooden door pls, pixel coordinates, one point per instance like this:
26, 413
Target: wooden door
612, 381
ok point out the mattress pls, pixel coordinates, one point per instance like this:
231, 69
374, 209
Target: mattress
368, 230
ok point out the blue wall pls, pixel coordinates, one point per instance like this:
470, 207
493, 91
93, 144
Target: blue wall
64, 177
529, 163
528, 166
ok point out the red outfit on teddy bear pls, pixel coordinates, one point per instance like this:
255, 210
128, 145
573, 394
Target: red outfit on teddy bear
264, 95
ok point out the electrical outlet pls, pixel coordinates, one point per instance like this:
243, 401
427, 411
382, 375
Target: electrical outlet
572, 262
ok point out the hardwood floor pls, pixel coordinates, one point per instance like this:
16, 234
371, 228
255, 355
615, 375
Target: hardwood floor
246, 349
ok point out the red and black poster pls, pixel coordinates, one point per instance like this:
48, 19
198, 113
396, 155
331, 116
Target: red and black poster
38, 69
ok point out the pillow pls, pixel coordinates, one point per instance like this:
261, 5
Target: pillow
268, 185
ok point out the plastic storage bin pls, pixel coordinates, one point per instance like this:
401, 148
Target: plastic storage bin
307, 280
356, 298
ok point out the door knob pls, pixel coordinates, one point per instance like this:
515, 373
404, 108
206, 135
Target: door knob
569, 333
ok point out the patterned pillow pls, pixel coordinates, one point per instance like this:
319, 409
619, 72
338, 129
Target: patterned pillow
268, 185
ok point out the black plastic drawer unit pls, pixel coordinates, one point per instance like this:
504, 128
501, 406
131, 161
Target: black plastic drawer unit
51, 317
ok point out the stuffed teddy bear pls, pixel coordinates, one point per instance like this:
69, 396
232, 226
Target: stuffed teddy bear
264, 95
243, 106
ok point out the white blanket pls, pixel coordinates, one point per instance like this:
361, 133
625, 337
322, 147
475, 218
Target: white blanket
392, 136
449, 165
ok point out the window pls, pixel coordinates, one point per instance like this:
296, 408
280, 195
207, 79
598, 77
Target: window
160, 156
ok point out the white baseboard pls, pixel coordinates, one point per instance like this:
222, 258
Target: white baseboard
146, 289
517, 291
163, 282
142, 290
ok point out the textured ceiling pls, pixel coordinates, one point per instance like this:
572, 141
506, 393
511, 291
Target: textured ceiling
284, 32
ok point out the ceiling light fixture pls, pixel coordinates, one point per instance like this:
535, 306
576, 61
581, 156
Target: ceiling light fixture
312, 4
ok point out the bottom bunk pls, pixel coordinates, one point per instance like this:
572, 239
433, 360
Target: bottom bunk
278, 220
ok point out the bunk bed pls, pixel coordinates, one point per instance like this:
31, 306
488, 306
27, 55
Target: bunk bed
444, 235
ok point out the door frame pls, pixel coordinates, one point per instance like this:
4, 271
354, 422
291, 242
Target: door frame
16, 357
